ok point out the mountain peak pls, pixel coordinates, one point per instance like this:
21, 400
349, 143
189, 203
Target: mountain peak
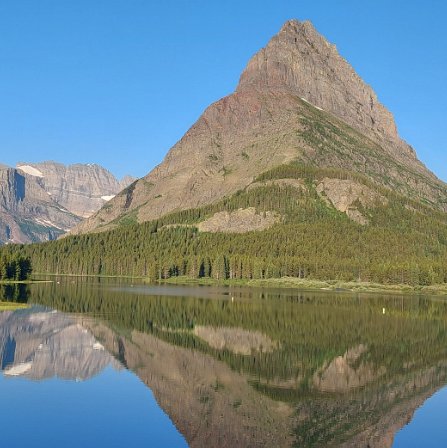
298, 100
294, 26
300, 60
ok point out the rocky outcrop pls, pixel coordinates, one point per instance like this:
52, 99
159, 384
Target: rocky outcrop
297, 100
27, 213
347, 196
39, 202
239, 221
301, 61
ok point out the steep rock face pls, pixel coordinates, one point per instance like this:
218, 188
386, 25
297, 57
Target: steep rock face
39, 202
297, 100
81, 189
301, 61
27, 213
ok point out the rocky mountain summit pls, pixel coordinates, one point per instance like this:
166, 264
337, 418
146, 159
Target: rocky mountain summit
298, 101
300, 61
40, 201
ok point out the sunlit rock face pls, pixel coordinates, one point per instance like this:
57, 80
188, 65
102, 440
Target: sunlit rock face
41, 201
39, 344
27, 212
82, 189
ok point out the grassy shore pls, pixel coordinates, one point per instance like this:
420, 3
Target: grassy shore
11, 306
22, 282
329, 285
284, 282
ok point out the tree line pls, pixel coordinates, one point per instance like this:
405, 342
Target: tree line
405, 241
15, 267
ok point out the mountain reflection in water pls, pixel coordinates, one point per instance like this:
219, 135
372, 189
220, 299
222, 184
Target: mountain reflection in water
266, 368
39, 344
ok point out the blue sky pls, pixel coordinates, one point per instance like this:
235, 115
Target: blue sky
118, 82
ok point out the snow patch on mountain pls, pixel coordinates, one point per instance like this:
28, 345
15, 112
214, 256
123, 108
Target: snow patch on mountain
28, 169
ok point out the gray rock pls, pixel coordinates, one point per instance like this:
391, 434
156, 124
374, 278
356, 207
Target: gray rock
41, 201
301, 61
27, 213
81, 189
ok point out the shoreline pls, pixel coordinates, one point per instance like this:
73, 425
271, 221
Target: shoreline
317, 285
283, 282
12, 306
23, 282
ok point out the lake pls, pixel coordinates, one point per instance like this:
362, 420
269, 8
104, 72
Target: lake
109, 363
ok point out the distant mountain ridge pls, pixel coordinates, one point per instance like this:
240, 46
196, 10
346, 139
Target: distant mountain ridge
80, 188
40, 201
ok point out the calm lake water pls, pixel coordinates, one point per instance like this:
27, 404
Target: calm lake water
101, 363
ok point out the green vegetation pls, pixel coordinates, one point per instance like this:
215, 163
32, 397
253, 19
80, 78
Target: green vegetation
14, 292
340, 145
11, 306
309, 284
405, 242
14, 267
310, 328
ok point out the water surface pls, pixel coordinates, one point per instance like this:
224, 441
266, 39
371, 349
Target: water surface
106, 363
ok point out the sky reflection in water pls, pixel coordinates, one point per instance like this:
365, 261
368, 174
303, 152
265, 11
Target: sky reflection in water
113, 409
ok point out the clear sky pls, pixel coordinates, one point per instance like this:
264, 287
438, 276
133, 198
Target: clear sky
118, 82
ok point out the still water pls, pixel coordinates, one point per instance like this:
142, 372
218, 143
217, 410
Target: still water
100, 363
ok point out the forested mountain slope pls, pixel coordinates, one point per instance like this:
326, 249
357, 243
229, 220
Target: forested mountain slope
304, 222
